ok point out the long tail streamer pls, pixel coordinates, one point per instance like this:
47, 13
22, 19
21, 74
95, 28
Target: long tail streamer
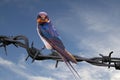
73, 70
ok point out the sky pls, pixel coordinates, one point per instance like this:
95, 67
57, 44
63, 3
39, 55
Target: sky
87, 28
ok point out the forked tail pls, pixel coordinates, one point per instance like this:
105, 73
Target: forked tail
67, 57
73, 70
70, 57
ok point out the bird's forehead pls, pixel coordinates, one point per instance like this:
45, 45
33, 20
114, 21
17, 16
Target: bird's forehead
42, 13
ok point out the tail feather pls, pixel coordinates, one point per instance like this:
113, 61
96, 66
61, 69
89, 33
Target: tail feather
72, 69
63, 52
70, 57
67, 57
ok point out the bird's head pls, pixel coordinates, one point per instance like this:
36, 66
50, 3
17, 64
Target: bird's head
42, 18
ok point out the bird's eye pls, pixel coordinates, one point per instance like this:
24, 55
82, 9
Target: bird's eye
39, 16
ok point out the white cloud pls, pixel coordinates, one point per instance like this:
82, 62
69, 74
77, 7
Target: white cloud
101, 27
86, 71
61, 72
102, 30
100, 18
5, 62
115, 75
39, 78
20, 71
97, 22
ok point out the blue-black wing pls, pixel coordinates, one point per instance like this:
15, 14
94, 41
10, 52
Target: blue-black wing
48, 32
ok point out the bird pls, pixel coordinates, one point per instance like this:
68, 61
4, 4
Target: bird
52, 40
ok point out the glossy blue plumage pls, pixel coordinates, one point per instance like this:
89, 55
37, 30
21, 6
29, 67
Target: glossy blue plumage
51, 39
48, 32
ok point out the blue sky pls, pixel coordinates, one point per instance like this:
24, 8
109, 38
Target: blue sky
87, 28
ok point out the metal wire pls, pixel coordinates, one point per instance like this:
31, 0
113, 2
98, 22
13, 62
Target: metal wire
35, 54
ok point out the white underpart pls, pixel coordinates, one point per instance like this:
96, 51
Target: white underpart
47, 45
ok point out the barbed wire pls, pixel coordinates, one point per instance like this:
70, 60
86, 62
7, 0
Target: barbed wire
35, 54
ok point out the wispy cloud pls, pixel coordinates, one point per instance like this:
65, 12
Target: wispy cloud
101, 25
85, 70
20, 71
61, 72
115, 75
39, 78
101, 35
95, 30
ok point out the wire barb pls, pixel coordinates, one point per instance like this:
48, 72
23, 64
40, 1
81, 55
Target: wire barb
35, 54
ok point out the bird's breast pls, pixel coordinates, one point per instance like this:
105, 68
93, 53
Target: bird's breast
47, 45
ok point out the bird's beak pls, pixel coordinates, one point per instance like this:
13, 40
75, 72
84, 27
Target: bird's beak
42, 19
